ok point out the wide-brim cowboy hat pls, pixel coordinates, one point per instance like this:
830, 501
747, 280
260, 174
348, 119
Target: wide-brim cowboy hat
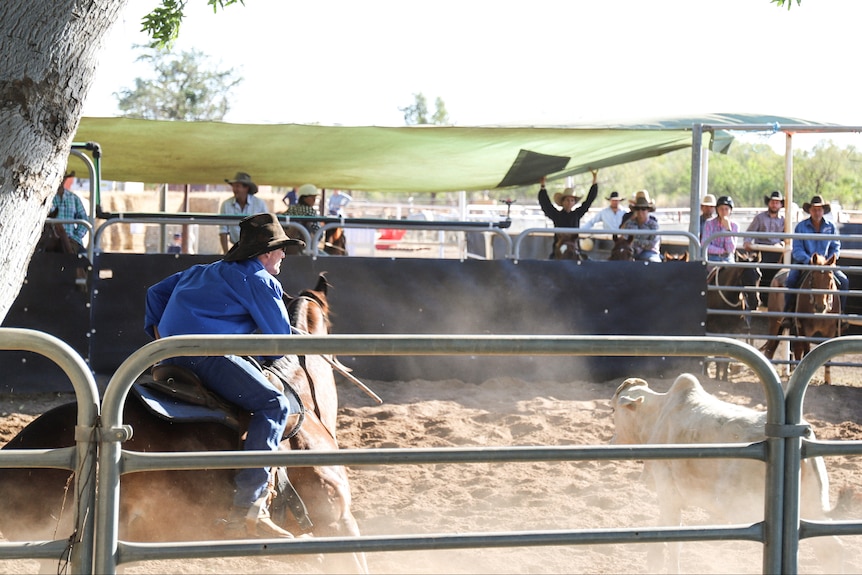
259, 234
243, 178
307, 190
817, 201
642, 200
708, 200
567, 193
614, 196
775, 195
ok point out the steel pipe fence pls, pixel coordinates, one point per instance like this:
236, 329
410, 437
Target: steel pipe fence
113, 460
80, 459
101, 551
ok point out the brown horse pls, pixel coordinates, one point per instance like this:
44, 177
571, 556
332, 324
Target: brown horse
731, 298
674, 257
622, 249
335, 242
823, 303
193, 505
566, 247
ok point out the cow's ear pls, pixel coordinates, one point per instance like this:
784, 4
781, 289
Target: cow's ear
630, 402
831, 260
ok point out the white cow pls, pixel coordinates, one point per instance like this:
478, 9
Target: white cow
729, 489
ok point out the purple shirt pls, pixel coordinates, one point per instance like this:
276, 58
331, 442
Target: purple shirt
720, 246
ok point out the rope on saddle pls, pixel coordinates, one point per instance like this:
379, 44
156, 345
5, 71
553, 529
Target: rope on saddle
713, 277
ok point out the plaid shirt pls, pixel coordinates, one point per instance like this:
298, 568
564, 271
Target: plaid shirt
70, 207
762, 222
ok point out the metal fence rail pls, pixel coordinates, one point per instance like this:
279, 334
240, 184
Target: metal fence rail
782, 451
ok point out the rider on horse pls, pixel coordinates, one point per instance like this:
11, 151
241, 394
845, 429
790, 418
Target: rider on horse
236, 295
804, 249
568, 216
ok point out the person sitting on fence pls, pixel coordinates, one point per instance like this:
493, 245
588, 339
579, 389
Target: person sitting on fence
568, 216
238, 294
803, 249
721, 249
646, 247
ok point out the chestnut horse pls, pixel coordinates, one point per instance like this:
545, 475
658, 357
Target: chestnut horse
672, 257
823, 303
193, 504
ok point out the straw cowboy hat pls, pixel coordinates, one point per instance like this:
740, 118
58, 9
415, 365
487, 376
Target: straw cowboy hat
775, 195
243, 178
642, 200
614, 196
708, 200
259, 234
567, 193
817, 201
307, 190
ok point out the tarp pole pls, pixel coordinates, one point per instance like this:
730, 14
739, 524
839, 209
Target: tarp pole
696, 185
788, 194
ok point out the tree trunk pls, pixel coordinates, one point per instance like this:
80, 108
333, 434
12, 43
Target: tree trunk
49, 50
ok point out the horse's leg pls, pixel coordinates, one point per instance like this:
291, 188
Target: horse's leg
326, 493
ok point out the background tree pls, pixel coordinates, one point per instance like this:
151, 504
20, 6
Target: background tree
184, 88
417, 113
50, 50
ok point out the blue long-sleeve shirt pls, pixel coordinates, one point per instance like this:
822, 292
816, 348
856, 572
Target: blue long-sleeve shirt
218, 298
804, 249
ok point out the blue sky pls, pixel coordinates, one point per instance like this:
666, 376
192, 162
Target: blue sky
546, 62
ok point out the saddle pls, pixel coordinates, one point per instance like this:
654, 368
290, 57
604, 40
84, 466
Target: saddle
177, 394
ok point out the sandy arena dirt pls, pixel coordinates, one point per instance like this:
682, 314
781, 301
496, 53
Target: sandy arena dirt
530, 496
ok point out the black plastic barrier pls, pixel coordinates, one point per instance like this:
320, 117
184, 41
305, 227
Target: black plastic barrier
425, 296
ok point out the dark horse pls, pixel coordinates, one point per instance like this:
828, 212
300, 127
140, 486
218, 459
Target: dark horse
335, 242
823, 303
193, 504
623, 250
566, 247
731, 298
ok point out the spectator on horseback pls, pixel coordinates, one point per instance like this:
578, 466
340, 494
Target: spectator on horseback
66, 205
803, 249
568, 216
611, 216
238, 294
721, 249
646, 247
770, 220
306, 206
243, 202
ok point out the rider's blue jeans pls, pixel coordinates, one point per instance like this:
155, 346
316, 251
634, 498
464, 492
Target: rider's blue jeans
240, 382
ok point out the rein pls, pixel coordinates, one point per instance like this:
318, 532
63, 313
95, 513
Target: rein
332, 361
739, 301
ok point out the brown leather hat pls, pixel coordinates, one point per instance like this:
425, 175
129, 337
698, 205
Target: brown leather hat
259, 234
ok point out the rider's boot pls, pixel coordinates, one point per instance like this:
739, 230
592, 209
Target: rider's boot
254, 522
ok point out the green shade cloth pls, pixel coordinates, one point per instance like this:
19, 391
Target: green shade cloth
400, 159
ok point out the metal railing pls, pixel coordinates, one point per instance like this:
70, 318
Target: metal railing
782, 450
